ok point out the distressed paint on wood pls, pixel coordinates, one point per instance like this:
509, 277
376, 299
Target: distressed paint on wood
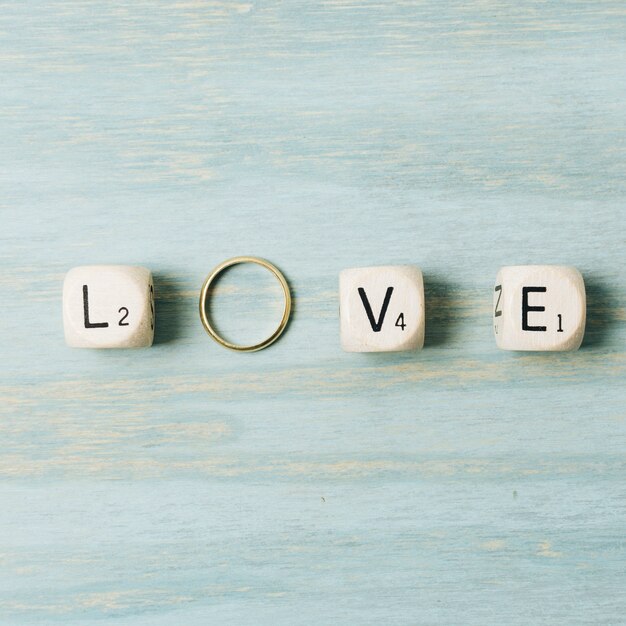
185, 484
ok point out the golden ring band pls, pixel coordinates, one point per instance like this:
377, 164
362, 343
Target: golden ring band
204, 295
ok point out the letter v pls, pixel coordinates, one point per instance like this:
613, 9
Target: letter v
376, 325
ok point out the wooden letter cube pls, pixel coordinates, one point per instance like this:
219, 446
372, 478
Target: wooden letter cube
539, 307
108, 306
382, 309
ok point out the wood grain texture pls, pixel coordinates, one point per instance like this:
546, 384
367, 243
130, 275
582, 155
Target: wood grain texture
183, 484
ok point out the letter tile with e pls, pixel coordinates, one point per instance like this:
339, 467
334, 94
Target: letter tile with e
108, 306
539, 307
381, 308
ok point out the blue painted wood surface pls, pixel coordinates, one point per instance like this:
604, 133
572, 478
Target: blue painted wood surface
185, 484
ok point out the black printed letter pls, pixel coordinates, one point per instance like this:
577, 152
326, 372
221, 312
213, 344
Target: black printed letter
376, 325
88, 324
498, 312
526, 308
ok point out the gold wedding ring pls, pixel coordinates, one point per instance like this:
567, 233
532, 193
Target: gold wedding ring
204, 295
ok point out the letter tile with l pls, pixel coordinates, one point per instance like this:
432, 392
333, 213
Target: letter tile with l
108, 306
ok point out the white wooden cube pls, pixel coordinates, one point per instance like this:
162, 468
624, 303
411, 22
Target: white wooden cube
108, 306
381, 308
539, 307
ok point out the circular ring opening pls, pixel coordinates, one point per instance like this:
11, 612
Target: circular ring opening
204, 297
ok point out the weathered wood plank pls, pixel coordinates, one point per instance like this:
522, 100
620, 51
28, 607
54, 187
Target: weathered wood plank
184, 484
